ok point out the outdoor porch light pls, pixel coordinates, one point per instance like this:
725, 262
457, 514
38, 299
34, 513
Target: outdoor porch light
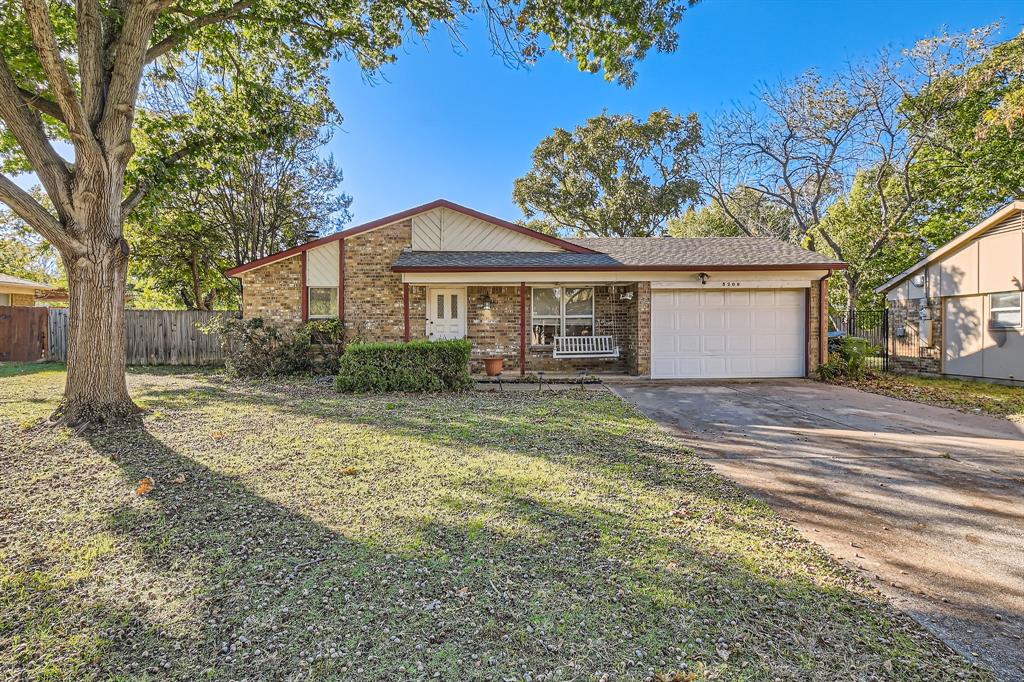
703, 277
487, 302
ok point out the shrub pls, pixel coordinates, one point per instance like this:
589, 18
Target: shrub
253, 348
412, 366
848, 361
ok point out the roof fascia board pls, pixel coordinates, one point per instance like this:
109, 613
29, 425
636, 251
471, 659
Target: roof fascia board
624, 268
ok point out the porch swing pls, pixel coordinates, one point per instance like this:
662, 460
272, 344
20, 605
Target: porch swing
585, 347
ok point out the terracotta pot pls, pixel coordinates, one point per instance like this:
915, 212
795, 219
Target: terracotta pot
493, 366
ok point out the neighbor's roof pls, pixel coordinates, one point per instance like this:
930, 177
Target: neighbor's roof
951, 246
12, 281
636, 253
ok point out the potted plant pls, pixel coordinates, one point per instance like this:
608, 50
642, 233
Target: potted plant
494, 365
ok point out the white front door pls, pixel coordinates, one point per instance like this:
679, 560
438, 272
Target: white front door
446, 314
716, 334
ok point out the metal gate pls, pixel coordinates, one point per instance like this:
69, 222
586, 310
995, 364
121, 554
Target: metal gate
872, 325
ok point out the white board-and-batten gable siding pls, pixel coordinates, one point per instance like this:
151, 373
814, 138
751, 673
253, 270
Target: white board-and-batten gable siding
442, 229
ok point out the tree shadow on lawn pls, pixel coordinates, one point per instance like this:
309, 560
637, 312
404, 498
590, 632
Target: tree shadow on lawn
490, 575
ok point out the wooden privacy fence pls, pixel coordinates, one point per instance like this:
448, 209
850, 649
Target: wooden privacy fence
153, 337
22, 334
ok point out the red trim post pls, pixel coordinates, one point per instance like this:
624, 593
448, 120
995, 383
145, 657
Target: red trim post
823, 319
341, 280
305, 291
522, 328
405, 311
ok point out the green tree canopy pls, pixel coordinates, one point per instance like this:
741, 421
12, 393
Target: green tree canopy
972, 162
615, 176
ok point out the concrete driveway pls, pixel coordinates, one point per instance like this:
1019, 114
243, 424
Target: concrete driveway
926, 501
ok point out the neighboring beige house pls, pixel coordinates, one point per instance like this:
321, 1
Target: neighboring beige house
15, 291
958, 311
663, 307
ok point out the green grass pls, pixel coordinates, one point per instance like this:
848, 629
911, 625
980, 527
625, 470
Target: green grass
294, 533
968, 396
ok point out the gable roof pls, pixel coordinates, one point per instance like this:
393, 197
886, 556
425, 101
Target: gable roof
11, 280
402, 215
951, 246
634, 253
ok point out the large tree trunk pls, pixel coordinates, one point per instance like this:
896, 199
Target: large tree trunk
96, 390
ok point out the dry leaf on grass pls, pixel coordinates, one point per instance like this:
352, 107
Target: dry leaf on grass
179, 479
675, 677
349, 471
145, 485
217, 435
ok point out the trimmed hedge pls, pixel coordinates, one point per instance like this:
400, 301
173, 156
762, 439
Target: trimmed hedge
412, 366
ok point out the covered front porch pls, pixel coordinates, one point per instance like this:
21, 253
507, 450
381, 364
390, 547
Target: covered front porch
555, 327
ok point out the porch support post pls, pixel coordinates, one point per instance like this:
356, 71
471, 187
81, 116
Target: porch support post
522, 328
405, 311
304, 290
341, 280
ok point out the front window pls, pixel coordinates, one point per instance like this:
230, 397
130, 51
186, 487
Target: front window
1004, 310
323, 302
5, 299
561, 311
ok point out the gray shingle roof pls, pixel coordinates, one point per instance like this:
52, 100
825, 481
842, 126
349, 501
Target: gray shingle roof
502, 259
637, 252
703, 251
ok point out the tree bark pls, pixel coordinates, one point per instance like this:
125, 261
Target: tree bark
852, 291
96, 390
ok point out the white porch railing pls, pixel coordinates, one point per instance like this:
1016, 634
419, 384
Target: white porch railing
585, 347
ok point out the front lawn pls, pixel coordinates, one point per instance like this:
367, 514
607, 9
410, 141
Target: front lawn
966, 396
292, 533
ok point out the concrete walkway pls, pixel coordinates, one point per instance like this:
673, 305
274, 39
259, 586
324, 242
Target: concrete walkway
928, 502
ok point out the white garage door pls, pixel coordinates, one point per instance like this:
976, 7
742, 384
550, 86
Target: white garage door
722, 334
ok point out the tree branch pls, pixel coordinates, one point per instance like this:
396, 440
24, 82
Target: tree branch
90, 57
174, 39
37, 14
33, 213
137, 194
27, 128
42, 104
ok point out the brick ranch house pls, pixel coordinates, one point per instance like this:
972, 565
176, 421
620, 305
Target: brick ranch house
15, 291
659, 306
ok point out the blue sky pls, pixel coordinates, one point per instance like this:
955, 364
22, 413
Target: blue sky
460, 124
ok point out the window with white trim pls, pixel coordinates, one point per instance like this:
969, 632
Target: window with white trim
323, 302
1004, 310
5, 299
561, 311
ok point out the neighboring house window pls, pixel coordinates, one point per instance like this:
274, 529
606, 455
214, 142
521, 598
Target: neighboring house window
323, 302
1004, 310
559, 311
5, 299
